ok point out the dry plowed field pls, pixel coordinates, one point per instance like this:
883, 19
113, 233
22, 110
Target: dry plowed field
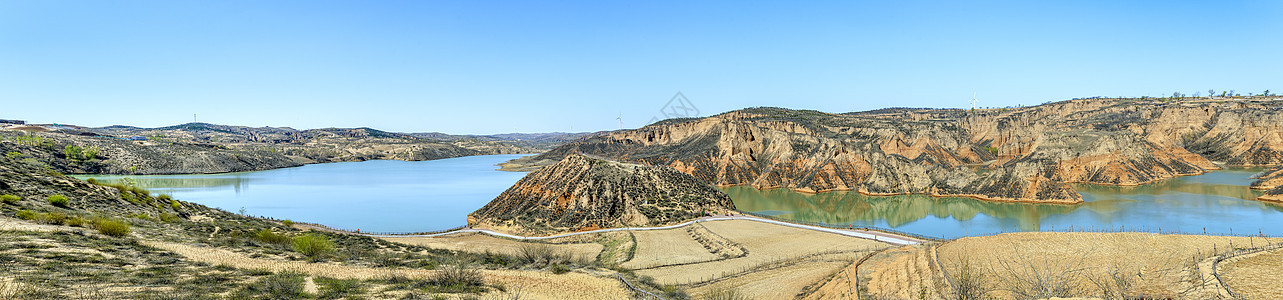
1255, 276
773, 251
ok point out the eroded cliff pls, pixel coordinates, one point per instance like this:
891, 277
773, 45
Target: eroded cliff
1028, 154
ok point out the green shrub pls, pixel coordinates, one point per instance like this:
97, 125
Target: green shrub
268, 236
112, 227
26, 215
559, 269
175, 205
72, 152
59, 200
140, 216
92, 181
165, 197
287, 223
313, 246
75, 221
169, 218
55, 218
278, 286
331, 288
10, 199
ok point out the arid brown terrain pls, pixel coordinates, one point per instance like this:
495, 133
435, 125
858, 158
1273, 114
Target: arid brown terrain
582, 193
1027, 154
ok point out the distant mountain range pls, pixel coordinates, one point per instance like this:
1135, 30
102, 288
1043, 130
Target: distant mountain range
214, 148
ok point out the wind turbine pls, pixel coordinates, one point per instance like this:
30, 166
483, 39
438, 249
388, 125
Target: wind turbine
973, 100
620, 118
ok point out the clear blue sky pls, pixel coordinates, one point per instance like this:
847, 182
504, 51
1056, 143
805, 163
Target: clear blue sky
481, 67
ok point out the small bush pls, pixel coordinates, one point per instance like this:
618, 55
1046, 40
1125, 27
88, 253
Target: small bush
10, 199
92, 181
169, 218
313, 246
278, 286
75, 221
112, 228
540, 255
271, 237
559, 269
26, 215
175, 205
140, 216
331, 288
59, 200
55, 218
459, 277
287, 223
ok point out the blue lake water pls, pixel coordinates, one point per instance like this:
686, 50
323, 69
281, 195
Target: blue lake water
399, 196
1217, 202
376, 196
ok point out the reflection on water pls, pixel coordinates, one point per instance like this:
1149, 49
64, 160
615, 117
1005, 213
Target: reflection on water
380, 195
1215, 202
183, 183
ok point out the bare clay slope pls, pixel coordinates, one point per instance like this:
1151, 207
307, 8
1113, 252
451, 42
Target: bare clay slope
581, 192
1027, 154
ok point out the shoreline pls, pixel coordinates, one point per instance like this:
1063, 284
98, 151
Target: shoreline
300, 165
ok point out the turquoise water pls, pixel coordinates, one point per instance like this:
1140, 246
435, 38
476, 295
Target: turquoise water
378, 195
399, 196
1218, 202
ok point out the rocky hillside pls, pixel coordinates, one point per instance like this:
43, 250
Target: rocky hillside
123, 242
1028, 154
1272, 182
582, 193
210, 148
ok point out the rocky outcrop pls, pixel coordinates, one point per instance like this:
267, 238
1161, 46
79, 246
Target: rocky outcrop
1027, 154
1271, 181
582, 193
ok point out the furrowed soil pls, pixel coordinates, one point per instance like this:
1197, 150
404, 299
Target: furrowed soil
1255, 276
667, 247
766, 244
1154, 265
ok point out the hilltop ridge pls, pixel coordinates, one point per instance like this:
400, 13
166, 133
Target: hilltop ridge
584, 193
1025, 154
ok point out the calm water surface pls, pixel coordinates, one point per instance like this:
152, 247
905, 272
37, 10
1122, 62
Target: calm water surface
1217, 202
379, 195
400, 196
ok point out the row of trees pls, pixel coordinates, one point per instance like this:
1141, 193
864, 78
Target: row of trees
1212, 93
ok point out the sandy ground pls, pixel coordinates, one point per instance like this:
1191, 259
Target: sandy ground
479, 243
532, 284
1255, 276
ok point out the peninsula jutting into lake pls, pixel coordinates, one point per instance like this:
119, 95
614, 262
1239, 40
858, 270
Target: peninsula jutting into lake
640, 150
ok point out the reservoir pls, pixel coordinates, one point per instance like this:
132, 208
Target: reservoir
1216, 202
401, 196
373, 196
